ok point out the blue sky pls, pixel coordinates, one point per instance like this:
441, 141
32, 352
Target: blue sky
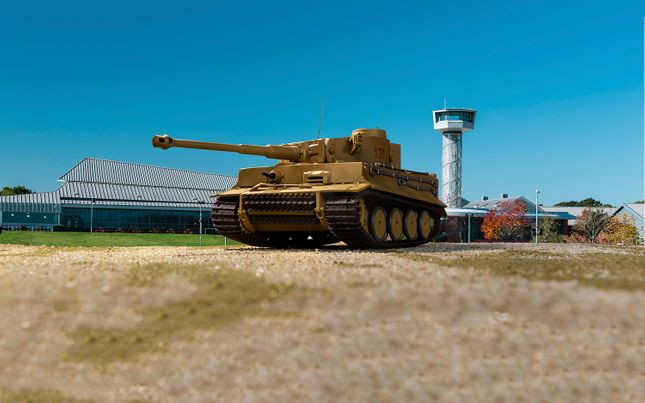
558, 85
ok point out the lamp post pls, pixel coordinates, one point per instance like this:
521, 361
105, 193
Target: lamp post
92, 216
537, 228
200, 219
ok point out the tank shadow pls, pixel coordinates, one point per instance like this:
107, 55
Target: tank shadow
426, 248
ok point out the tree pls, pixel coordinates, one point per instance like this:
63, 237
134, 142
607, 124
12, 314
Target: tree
550, 231
621, 230
16, 190
588, 202
591, 223
506, 222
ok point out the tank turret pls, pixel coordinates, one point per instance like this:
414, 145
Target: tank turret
349, 189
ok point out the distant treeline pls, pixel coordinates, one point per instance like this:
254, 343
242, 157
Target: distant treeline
588, 202
16, 190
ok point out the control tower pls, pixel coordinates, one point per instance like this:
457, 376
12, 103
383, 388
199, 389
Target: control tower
452, 123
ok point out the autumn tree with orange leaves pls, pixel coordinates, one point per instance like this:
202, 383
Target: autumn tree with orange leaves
506, 222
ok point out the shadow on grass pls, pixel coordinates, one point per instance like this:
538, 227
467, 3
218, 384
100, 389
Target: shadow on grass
429, 248
223, 297
36, 396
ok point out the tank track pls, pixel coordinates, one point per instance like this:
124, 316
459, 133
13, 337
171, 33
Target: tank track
343, 213
226, 222
225, 219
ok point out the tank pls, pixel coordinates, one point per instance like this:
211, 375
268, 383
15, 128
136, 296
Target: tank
350, 189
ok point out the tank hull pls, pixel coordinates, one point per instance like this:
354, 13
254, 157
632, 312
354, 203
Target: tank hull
317, 204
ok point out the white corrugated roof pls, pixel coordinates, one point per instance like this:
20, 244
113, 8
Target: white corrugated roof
104, 191
93, 170
637, 207
576, 211
490, 204
31, 198
114, 183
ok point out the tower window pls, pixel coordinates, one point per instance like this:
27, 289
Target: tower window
464, 116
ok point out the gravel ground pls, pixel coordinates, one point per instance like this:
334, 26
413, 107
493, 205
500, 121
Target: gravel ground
376, 327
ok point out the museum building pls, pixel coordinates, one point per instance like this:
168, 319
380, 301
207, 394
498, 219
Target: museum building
111, 196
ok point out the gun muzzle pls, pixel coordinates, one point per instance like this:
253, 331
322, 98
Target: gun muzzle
162, 141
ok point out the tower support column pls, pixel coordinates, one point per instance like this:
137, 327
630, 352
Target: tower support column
451, 169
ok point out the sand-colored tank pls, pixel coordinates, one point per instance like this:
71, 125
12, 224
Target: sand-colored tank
349, 189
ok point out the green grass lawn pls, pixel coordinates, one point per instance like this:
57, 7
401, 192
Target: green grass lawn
106, 239
625, 271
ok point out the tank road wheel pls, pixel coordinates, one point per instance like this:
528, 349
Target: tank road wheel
364, 216
426, 224
378, 223
395, 224
410, 225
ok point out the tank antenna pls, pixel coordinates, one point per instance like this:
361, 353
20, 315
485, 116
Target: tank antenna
322, 109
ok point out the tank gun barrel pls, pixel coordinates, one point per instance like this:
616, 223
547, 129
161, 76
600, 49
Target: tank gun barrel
291, 153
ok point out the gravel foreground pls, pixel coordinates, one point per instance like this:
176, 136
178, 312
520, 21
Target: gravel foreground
378, 326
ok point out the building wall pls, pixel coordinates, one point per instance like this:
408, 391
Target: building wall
132, 219
34, 211
455, 229
27, 218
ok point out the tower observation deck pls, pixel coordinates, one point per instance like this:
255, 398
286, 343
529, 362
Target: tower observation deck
452, 123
